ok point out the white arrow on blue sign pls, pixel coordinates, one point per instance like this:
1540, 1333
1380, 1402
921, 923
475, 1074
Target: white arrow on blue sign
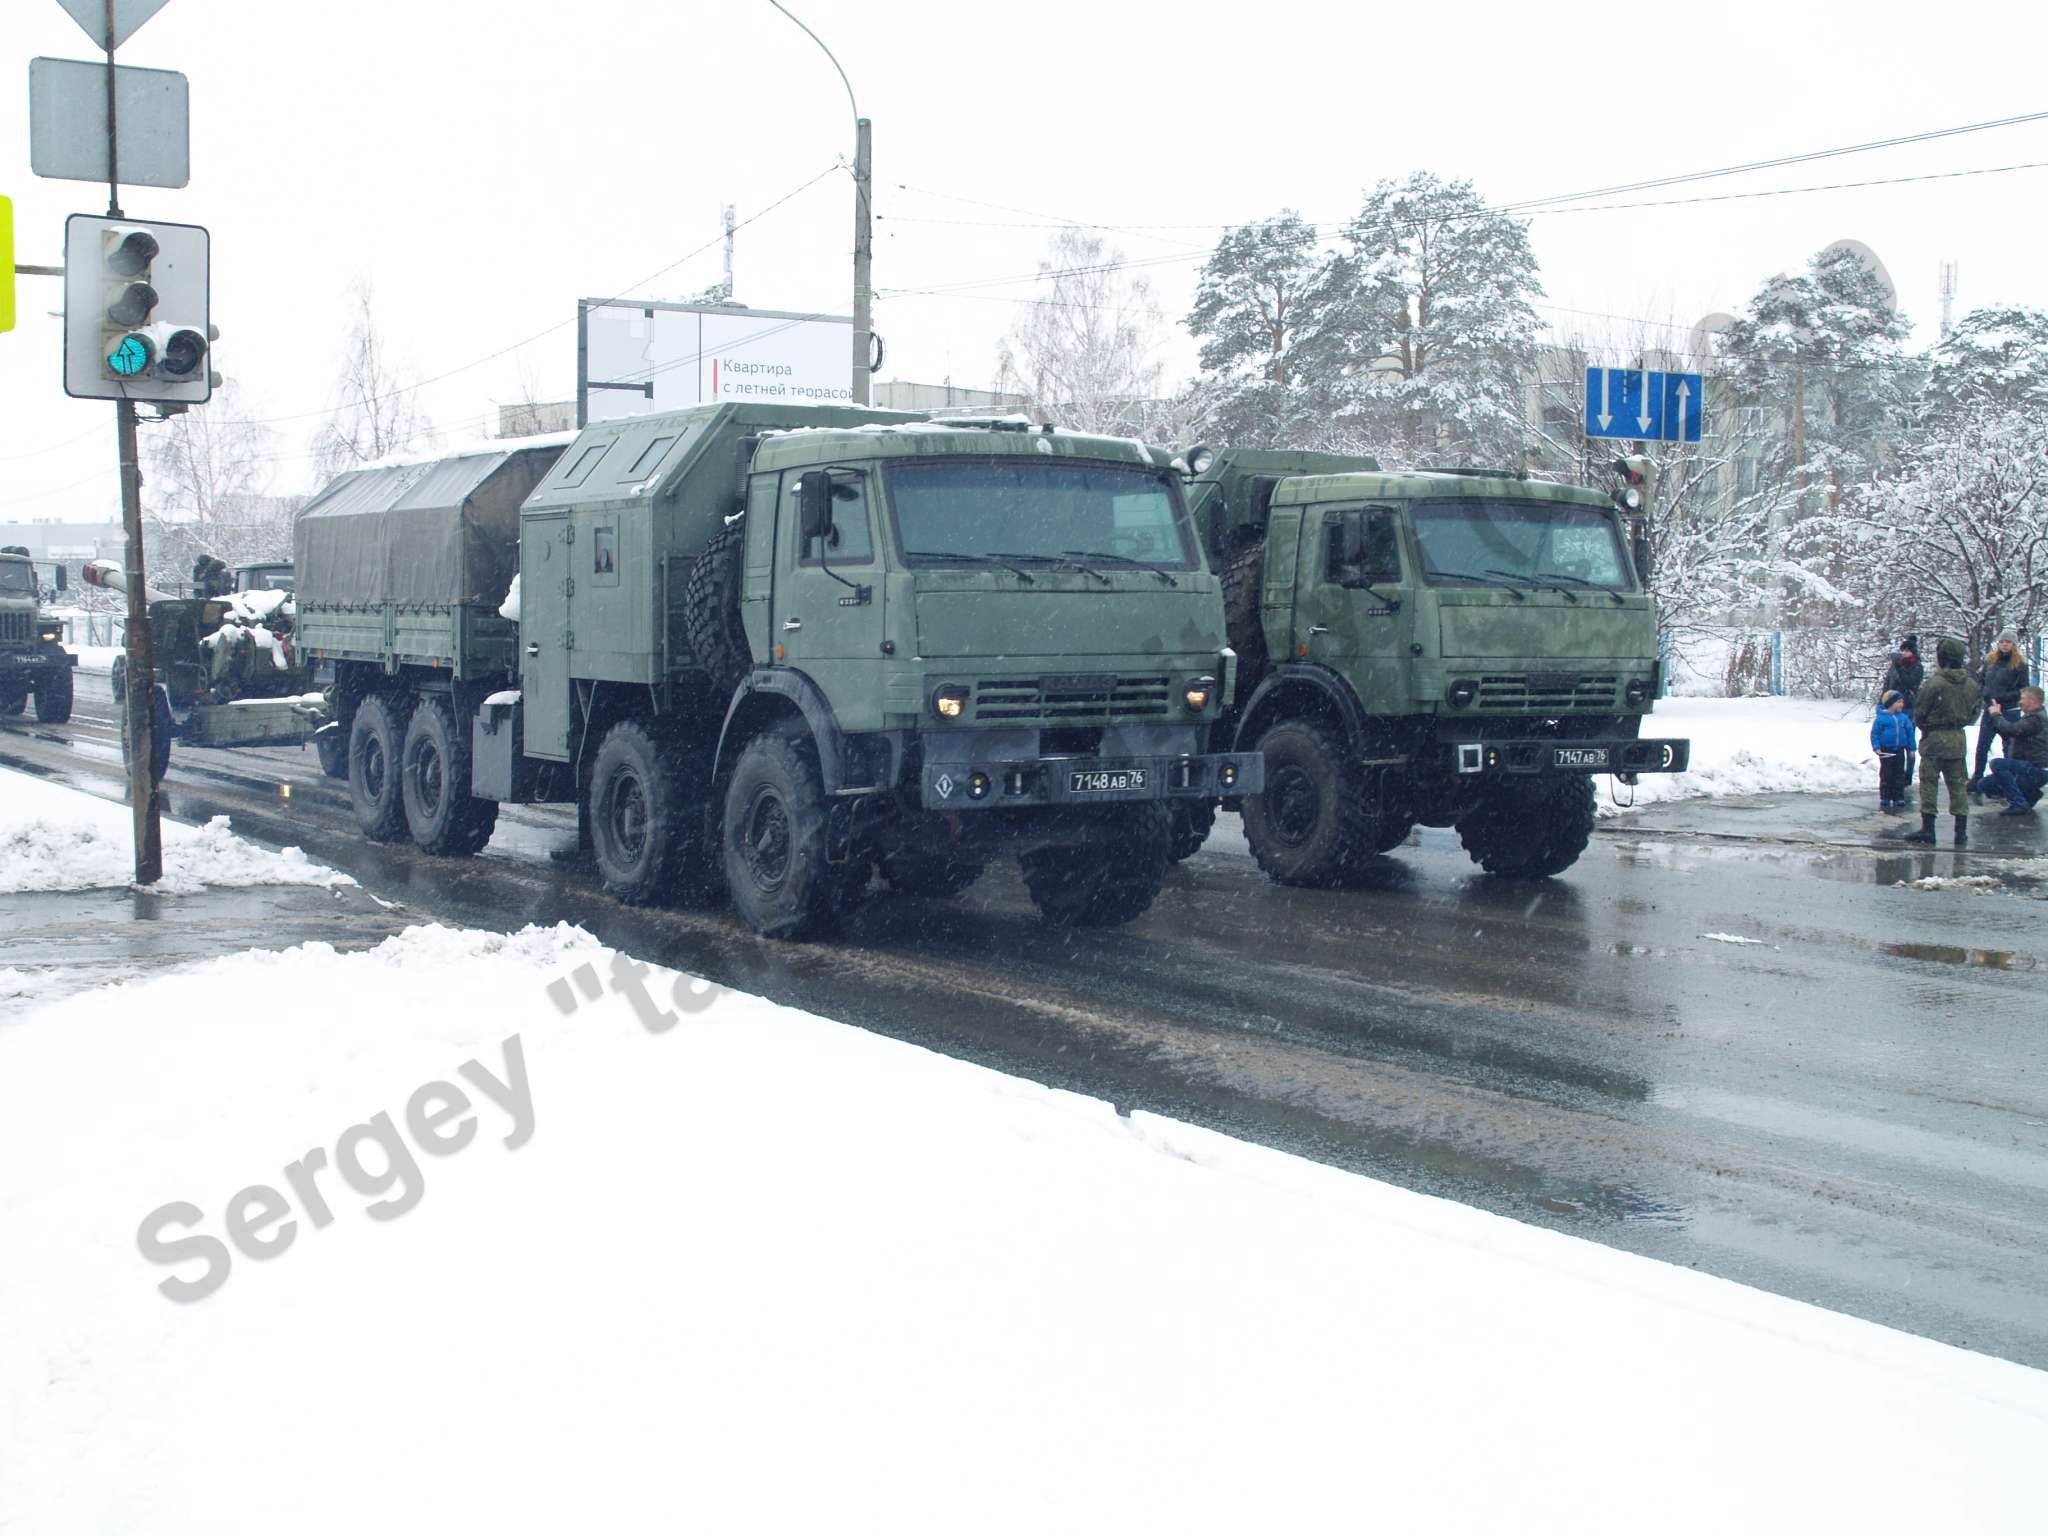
1643, 403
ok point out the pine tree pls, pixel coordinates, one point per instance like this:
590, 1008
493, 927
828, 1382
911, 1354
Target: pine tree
1998, 355
1251, 302
1423, 336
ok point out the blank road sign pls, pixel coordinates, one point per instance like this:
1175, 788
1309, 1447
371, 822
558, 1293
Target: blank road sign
67, 123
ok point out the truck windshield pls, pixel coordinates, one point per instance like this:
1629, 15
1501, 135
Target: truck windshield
971, 511
17, 579
1531, 543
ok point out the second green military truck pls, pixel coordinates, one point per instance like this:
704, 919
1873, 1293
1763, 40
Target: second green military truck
1446, 649
783, 650
32, 655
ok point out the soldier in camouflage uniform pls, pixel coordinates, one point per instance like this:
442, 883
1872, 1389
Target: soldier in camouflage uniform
1945, 706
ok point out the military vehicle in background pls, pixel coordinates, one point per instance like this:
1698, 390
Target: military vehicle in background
32, 655
1442, 648
781, 650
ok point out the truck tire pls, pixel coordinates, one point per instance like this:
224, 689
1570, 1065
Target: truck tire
1311, 825
376, 745
774, 842
53, 697
1392, 834
646, 828
331, 743
1107, 883
711, 607
930, 874
1193, 821
160, 736
440, 812
1244, 577
1528, 832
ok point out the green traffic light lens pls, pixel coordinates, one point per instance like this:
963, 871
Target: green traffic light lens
129, 357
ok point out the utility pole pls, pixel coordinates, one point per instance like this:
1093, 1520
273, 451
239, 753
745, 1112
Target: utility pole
1799, 432
730, 227
140, 698
863, 257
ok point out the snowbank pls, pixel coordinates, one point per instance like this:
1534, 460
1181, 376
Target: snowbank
97, 658
1755, 746
58, 839
760, 1271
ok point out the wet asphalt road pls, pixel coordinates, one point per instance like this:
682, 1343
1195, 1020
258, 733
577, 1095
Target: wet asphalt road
1849, 1106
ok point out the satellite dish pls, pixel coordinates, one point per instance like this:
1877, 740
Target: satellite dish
1700, 344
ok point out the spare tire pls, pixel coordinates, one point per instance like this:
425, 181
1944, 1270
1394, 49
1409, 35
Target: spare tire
711, 607
1243, 581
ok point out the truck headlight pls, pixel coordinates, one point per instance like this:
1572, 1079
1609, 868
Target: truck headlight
1637, 693
49, 633
1198, 693
950, 702
1462, 692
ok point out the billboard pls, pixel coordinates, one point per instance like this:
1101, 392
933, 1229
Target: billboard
635, 357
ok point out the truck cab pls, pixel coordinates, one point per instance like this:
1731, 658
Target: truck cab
33, 660
1438, 648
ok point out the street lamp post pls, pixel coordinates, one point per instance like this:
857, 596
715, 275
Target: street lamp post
863, 223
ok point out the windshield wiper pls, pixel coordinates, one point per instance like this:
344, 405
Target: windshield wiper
1143, 565
1066, 557
1005, 561
1593, 586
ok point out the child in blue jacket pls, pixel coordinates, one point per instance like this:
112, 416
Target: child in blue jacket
1892, 738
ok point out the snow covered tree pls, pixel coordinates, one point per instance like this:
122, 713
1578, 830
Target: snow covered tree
1251, 302
208, 471
1082, 350
1423, 332
376, 411
1824, 354
1956, 543
1998, 355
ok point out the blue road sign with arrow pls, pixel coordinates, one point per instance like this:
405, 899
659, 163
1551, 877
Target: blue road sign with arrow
1643, 403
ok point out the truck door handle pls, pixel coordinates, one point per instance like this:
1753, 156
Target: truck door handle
1319, 629
792, 624
533, 647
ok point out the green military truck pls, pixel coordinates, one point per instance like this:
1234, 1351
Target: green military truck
32, 655
781, 650
1445, 649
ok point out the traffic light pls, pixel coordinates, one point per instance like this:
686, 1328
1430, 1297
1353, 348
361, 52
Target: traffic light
1638, 481
135, 311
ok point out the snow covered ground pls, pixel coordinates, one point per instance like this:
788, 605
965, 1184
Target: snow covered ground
57, 839
1753, 746
97, 658
550, 1259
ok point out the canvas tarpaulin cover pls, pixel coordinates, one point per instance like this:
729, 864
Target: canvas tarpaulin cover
418, 535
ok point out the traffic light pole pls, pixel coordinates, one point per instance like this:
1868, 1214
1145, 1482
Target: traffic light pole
140, 698
863, 258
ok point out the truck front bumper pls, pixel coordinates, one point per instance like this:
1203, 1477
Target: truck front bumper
1070, 781
36, 661
1551, 755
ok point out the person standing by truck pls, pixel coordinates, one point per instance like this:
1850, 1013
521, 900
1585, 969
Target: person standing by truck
2004, 675
1945, 708
1891, 737
1905, 674
2020, 774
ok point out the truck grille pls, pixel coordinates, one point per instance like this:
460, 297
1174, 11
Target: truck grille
1068, 699
16, 628
1541, 692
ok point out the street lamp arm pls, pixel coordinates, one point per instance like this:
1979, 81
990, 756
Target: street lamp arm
827, 52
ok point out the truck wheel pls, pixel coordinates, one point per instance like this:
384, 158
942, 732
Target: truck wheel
1392, 834
645, 826
930, 874
1193, 821
160, 736
331, 743
711, 607
12, 699
774, 841
53, 697
376, 743
1243, 581
1310, 826
440, 812
1106, 883
1530, 831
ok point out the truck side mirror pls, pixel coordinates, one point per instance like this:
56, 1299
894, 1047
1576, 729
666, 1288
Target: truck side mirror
1639, 548
814, 505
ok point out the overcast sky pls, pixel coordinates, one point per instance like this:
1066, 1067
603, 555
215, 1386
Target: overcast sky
486, 162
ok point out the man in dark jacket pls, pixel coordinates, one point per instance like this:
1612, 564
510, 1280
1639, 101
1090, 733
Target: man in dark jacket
2004, 675
2021, 773
1945, 708
1905, 675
